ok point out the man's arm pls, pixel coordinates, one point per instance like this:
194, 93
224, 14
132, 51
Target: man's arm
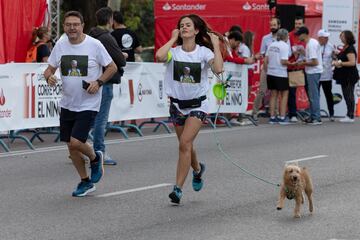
49, 75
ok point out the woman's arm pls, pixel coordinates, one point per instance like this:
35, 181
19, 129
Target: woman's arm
162, 53
217, 63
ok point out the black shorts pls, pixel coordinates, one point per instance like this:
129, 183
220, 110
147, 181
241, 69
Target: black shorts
75, 124
277, 83
178, 119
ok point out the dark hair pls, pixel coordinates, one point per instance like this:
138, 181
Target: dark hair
349, 37
202, 38
276, 19
103, 16
300, 18
248, 40
39, 33
118, 17
74, 14
236, 35
234, 28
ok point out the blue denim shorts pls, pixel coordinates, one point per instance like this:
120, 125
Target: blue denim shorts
178, 119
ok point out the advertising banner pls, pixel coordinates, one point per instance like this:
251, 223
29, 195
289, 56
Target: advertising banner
26, 101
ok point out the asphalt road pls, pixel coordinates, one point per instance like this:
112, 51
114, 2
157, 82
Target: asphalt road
131, 202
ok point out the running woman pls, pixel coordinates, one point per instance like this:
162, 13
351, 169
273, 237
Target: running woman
197, 48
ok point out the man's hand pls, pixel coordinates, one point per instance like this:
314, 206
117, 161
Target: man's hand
93, 87
52, 80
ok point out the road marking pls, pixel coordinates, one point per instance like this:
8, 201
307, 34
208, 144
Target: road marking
134, 190
307, 158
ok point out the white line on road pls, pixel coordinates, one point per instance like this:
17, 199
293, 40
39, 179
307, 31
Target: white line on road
134, 190
307, 158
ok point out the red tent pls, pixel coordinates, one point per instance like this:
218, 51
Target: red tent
17, 20
251, 15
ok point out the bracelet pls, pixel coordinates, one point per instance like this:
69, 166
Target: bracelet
100, 83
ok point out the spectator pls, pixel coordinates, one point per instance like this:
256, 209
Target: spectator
275, 64
265, 43
39, 51
313, 69
327, 54
346, 73
128, 42
298, 54
102, 33
80, 103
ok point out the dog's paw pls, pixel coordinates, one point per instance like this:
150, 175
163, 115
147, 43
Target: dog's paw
297, 216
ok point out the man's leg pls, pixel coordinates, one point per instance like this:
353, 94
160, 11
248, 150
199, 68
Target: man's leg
101, 121
314, 97
261, 93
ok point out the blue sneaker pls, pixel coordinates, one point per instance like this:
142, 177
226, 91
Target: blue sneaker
83, 188
97, 169
176, 195
284, 121
108, 160
273, 120
197, 182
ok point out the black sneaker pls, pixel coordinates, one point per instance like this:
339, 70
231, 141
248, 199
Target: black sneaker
315, 122
176, 195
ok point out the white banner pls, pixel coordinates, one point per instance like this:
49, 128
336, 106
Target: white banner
26, 101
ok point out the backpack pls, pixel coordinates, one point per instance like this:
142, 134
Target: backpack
31, 54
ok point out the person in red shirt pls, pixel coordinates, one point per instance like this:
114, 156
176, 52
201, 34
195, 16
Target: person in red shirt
298, 53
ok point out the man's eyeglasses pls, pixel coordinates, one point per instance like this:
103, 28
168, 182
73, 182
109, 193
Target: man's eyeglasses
72, 25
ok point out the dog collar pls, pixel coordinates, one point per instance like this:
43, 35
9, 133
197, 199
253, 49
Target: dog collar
289, 194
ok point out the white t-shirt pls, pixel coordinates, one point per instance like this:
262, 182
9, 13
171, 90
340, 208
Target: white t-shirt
244, 52
326, 53
276, 52
186, 76
77, 62
313, 51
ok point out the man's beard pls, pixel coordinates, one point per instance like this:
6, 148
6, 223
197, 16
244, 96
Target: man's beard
274, 30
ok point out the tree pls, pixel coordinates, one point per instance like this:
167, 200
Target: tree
139, 17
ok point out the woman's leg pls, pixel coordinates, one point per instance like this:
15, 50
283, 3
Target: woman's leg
348, 92
327, 87
187, 156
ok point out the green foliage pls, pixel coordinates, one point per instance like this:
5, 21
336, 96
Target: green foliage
139, 17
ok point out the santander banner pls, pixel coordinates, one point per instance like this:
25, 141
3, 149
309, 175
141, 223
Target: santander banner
227, 7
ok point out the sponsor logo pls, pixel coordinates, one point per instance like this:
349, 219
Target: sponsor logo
184, 7
4, 113
161, 89
255, 7
142, 92
2, 97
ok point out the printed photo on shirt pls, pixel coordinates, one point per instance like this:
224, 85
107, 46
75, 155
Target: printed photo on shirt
186, 72
74, 66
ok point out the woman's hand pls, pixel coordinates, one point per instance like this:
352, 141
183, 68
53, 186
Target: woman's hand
214, 39
175, 34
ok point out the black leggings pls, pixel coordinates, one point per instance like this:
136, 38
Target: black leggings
327, 87
348, 92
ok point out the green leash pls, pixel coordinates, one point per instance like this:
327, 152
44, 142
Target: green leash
219, 91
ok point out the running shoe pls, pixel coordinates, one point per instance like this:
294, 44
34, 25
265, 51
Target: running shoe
197, 181
97, 168
83, 188
175, 195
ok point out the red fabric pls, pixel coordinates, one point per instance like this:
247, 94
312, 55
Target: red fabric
294, 40
234, 58
17, 20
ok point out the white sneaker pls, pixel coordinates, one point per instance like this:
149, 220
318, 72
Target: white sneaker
245, 122
233, 121
293, 119
347, 120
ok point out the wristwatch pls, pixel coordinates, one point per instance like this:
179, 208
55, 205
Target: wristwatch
100, 82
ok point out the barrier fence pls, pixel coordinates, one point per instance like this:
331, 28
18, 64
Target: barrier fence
27, 102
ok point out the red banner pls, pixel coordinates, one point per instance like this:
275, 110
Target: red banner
17, 20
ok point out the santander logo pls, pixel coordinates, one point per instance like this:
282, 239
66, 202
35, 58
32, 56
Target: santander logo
2, 98
184, 7
247, 6
255, 7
